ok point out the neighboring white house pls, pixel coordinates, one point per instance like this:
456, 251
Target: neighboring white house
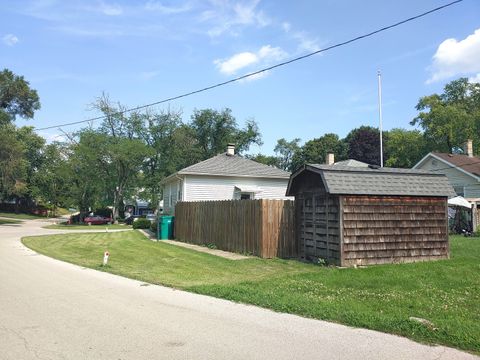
224, 177
463, 171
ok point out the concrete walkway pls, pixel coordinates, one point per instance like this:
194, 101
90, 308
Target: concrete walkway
224, 254
54, 310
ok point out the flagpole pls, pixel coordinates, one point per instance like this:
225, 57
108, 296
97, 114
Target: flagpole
380, 115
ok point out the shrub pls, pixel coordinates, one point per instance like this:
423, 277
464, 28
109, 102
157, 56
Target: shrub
141, 224
154, 227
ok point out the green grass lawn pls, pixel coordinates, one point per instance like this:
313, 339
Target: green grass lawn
65, 226
383, 297
20, 216
9, 221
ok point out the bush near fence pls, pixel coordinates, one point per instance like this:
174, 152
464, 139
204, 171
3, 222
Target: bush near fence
263, 227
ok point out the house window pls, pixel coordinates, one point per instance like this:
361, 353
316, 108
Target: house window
459, 189
246, 196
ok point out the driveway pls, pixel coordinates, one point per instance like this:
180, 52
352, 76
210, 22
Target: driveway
54, 310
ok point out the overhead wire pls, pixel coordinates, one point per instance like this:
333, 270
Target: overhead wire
343, 43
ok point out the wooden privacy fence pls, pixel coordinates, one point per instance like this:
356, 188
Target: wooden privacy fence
263, 227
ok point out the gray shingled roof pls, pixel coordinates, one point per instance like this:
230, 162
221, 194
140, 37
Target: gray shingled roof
351, 162
385, 181
228, 165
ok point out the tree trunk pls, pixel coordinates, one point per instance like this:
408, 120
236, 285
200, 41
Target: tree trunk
116, 202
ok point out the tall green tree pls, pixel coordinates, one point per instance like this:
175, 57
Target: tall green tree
213, 130
172, 146
52, 182
405, 148
87, 169
12, 163
19, 148
16, 98
33, 154
122, 150
269, 160
363, 144
451, 118
285, 151
315, 151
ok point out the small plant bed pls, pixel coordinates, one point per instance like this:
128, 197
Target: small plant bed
20, 216
66, 226
434, 302
9, 221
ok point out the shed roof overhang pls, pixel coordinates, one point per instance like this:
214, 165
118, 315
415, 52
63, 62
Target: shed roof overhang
377, 181
248, 189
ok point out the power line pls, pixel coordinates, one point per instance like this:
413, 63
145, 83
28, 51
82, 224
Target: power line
262, 70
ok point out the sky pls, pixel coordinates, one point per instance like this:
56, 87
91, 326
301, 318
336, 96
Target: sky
139, 52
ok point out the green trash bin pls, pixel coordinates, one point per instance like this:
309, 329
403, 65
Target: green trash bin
165, 227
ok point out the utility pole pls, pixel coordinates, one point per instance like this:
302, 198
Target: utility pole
380, 115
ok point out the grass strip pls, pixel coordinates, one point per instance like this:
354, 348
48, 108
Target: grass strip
65, 226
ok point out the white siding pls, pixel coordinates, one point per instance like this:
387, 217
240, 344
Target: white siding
170, 195
203, 188
472, 191
456, 177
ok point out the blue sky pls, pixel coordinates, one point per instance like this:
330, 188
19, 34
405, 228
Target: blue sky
144, 51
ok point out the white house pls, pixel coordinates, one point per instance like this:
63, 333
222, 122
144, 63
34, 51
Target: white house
463, 171
224, 177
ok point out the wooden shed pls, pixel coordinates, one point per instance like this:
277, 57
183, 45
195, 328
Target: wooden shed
362, 215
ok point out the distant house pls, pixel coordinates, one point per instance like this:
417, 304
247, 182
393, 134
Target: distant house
462, 171
224, 177
138, 207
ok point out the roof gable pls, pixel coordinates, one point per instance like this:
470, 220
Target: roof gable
463, 163
233, 165
345, 180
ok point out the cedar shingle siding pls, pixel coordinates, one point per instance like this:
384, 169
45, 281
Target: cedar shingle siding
361, 216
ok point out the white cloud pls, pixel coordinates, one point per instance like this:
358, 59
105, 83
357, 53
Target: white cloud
246, 14
272, 53
305, 43
167, 10
238, 61
10, 40
454, 58
230, 16
264, 56
111, 9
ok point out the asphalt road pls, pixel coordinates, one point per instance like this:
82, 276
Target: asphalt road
53, 310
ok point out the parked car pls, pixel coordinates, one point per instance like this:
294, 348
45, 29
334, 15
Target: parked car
97, 220
152, 217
